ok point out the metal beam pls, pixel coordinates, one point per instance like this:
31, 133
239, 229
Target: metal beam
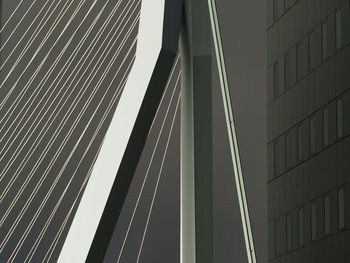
236, 162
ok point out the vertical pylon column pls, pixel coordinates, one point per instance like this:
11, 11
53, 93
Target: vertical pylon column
196, 135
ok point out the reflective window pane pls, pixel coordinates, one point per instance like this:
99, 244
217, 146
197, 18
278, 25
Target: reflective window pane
338, 32
325, 127
312, 135
289, 232
340, 118
287, 70
313, 221
300, 143
277, 237
275, 80
326, 216
301, 227
324, 41
341, 212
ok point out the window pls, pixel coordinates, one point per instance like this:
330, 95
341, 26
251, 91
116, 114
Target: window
324, 41
308, 67
300, 143
341, 212
277, 237
312, 135
288, 150
287, 70
338, 18
301, 227
313, 221
325, 127
311, 50
275, 80
289, 232
339, 118
275, 9
326, 216
276, 157
299, 61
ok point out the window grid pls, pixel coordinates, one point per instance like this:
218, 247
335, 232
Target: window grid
288, 226
311, 131
324, 38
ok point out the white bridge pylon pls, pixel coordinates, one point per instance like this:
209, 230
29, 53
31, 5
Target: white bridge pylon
159, 29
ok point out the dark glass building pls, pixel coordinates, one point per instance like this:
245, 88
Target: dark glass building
308, 130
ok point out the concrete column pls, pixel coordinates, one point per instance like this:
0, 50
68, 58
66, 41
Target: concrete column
196, 135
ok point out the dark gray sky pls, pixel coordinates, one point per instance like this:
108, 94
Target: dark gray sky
243, 28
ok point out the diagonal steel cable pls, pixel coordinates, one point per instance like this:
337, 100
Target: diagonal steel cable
35, 33
158, 180
61, 125
76, 83
151, 160
17, 25
58, 235
12, 14
58, 177
50, 50
65, 68
116, 95
15, 223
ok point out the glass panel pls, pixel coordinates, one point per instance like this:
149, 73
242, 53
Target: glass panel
340, 118
326, 216
338, 29
287, 70
311, 49
341, 212
312, 135
313, 221
299, 61
325, 127
301, 227
324, 41
275, 80
289, 232
277, 237
300, 143
288, 150
276, 157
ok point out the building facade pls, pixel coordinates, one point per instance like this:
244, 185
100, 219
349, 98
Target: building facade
308, 130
